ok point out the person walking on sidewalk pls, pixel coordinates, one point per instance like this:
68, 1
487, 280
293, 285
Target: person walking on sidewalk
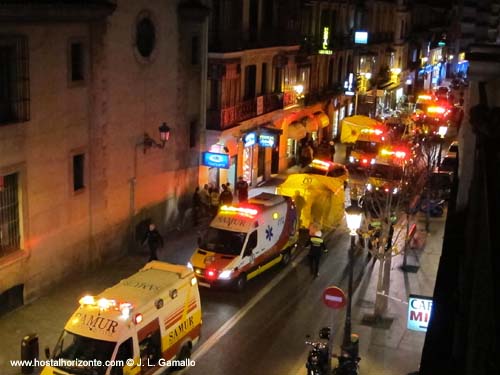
242, 189
226, 197
154, 240
196, 209
316, 248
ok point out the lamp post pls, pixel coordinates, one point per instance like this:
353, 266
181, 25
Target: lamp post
442, 130
353, 216
149, 142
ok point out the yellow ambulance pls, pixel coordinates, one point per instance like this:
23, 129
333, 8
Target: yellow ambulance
246, 239
141, 325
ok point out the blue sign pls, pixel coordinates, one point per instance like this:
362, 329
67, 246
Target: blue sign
212, 159
249, 139
419, 312
267, 140
361, 37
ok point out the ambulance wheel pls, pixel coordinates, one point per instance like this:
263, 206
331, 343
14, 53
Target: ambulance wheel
285, 258
241, 282
184, 354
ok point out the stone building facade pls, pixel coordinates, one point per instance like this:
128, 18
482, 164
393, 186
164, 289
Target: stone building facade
82, 84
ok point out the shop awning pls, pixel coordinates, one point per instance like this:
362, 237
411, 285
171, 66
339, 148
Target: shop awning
296, 130
310, 123
389, 86
322, 119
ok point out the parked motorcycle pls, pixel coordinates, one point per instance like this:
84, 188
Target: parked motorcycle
319, 355
433, 206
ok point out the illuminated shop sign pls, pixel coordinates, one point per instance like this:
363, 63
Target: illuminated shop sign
249, 139
267, 140
212, 159
419, 312
361, 37
326, 41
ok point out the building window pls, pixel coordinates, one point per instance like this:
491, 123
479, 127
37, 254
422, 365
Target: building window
78, 172
278, 79
14, 79
145, 36
250, 75
77, 62
10, 237
263, 83
193, 132
195, 50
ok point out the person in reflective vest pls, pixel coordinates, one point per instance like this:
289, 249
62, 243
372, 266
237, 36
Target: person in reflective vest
316, 248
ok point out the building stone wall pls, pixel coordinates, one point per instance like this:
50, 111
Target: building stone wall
124, 96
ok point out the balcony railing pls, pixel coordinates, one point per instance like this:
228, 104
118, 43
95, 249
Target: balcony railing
225, 118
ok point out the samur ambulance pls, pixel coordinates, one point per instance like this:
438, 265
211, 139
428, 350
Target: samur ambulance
367, 147
246, 239
135, 327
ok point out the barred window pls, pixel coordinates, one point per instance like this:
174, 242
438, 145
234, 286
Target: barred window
14, 79
9, 214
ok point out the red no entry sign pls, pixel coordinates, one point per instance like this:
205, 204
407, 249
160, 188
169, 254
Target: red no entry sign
334, 297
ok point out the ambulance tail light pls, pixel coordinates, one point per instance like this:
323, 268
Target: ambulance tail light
400, 154
211, 274
138, 318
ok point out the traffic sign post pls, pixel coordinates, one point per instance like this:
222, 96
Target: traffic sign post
334, 298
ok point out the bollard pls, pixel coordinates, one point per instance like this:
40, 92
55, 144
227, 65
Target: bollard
29, 351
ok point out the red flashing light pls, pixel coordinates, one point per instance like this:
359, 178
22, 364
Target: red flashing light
210, 274
365, 161
400, 154
243, 211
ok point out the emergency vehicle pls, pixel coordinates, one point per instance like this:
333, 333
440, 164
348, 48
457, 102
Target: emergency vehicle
246, 239
367, 147
141, 323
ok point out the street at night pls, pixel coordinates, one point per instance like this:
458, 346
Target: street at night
253, 187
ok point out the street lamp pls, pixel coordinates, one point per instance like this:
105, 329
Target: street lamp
149, 142
353, 216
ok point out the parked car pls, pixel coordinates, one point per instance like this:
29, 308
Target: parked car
453, 149
439, 184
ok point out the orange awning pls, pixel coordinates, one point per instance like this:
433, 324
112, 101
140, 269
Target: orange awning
296, 130
322, 119
310, 123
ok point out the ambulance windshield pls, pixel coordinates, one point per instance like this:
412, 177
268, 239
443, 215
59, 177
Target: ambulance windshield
86, 350
223, 241
367, 147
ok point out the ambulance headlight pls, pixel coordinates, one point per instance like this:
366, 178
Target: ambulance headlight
372, 161
225, 275
190, 266
369, 187
351, 159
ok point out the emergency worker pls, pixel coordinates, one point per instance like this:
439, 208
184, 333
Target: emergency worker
316, 248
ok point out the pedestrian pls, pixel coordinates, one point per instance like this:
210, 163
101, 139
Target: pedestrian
306, 154
316, 248
205, 200
154, 240
300, 202
214, 201
226, 197
229, 188
196, 209
242, 190
332, 150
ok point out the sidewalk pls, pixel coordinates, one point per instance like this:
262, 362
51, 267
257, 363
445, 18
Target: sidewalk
395, 350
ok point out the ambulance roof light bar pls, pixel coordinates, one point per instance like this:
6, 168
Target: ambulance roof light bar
107, 304
243, 211
320, 164
439, 110
372, 131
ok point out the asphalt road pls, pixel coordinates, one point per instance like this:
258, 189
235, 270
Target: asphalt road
262, 330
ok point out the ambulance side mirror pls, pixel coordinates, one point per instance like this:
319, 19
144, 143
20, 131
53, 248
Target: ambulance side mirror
47, 352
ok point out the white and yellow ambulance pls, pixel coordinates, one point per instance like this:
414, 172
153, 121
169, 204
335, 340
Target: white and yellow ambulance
138, 326
246, 239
